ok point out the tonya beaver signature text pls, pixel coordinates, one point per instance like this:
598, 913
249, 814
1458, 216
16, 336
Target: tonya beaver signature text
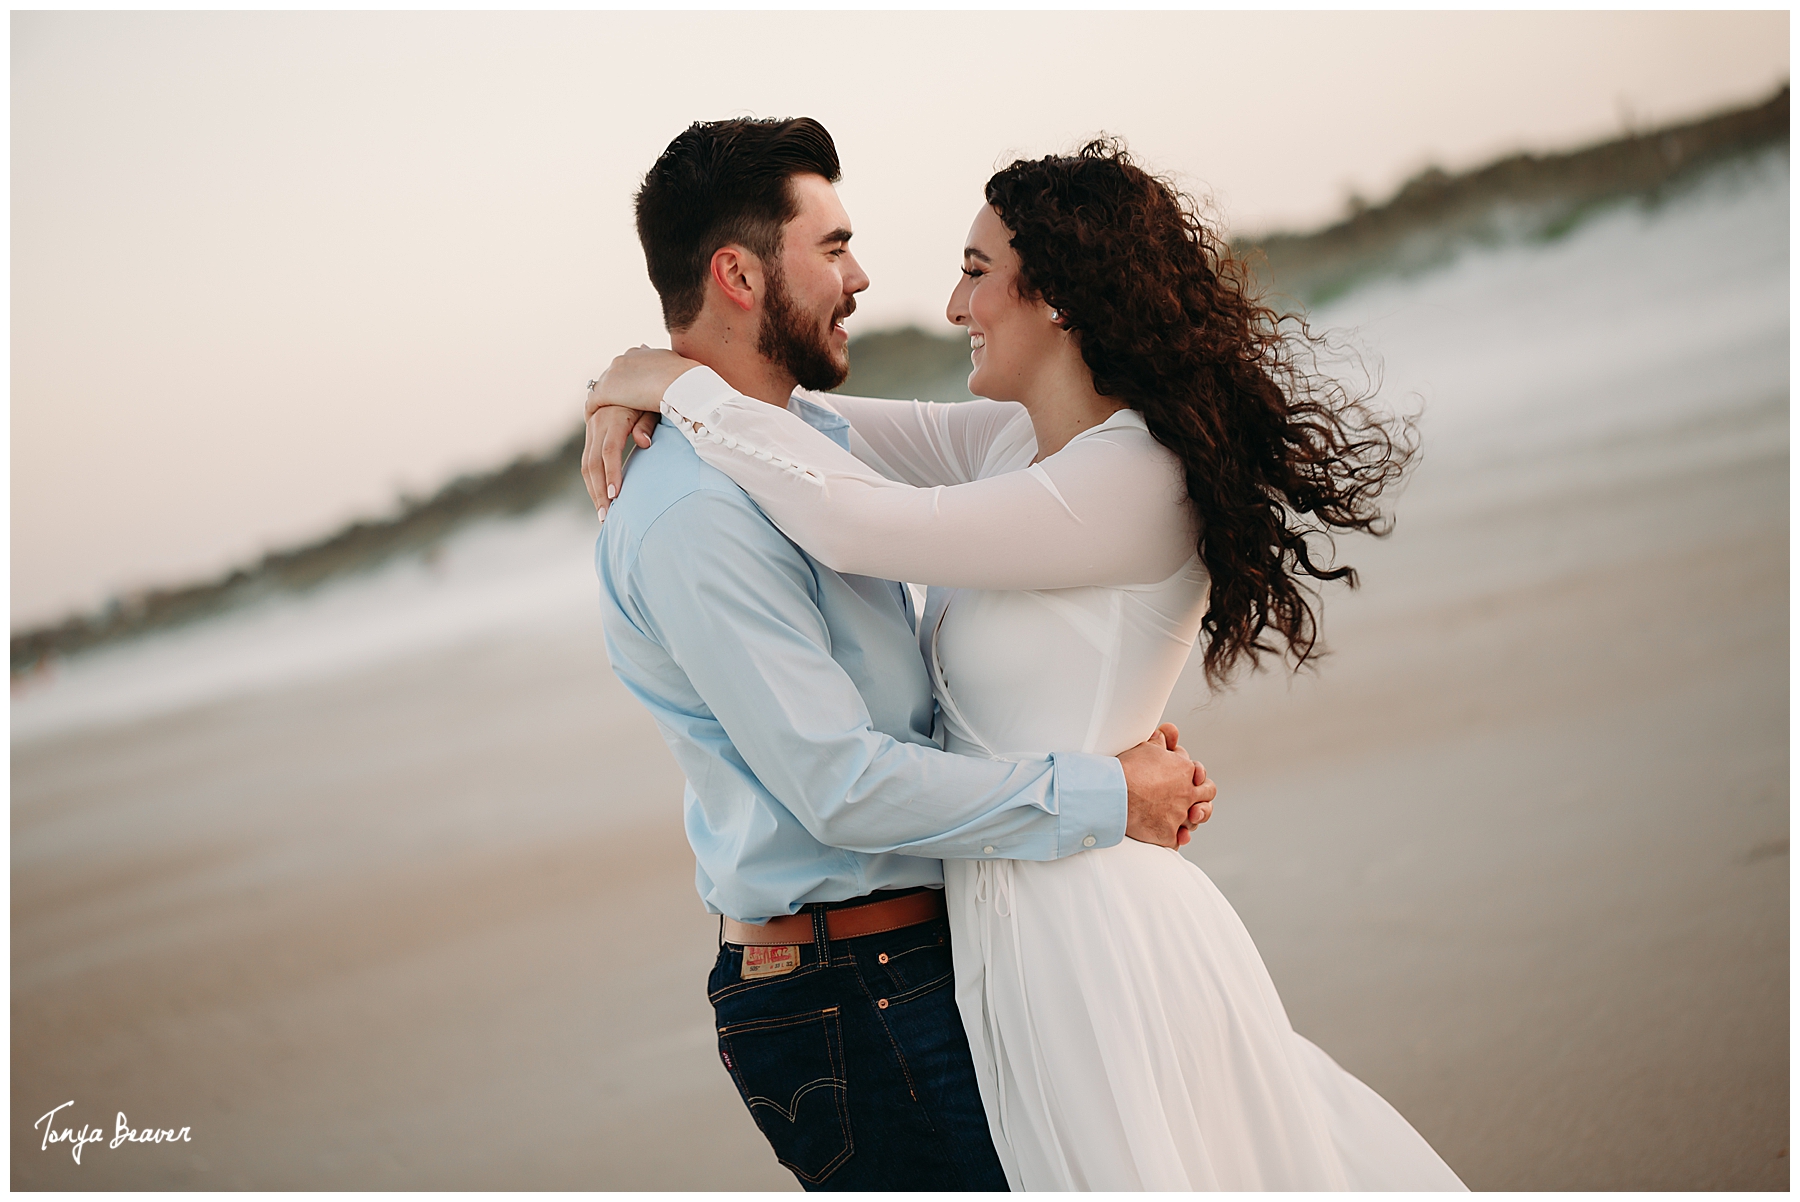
79, 1137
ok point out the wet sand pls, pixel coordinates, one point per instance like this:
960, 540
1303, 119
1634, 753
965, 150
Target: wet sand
1516, 855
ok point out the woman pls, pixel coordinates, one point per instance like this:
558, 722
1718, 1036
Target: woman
1125, 1031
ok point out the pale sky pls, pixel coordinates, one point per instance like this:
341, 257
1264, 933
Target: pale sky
271, 269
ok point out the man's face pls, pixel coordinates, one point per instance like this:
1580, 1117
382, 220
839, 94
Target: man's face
811, 290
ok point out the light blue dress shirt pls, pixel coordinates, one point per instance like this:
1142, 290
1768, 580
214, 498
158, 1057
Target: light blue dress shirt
797, 705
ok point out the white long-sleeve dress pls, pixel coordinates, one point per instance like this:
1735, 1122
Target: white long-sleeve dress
1125, 1032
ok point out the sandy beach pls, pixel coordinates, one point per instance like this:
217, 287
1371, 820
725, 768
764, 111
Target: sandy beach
1516, 853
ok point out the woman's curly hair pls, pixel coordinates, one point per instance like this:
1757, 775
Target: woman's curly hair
1276, 457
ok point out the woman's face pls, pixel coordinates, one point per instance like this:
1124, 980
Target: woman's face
1011, 339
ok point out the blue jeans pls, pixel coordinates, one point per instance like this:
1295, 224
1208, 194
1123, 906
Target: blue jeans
855, 1065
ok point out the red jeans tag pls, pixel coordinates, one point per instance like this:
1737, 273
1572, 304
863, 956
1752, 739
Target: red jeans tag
770, 961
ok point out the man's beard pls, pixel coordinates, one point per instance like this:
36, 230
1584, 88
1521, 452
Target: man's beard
794, 343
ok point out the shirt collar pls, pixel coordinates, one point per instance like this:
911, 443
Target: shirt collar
824, 420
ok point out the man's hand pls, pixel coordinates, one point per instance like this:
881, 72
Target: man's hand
1167, 794
603, 458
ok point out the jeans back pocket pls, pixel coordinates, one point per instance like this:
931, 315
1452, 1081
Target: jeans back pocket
790, 1071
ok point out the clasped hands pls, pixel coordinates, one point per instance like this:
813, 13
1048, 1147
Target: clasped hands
1167, 794
623, 405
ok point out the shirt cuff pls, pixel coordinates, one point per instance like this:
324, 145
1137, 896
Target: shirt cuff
697, 394
1090, 797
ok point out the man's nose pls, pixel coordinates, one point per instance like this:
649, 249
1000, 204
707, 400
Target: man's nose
855, 279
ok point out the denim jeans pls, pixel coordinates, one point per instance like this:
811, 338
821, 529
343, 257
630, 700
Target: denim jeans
854, 1064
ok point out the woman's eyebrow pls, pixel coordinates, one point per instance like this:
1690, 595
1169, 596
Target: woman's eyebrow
969, 252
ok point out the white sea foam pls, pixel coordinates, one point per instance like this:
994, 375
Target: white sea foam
1644, 317
534, 572
1537, 363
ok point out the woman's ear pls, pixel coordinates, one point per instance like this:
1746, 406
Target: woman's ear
737, 274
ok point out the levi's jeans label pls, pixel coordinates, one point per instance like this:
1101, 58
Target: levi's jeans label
770, 961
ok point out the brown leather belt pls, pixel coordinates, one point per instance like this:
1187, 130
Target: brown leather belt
848, 922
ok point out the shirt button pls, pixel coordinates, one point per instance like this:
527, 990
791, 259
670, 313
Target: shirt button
987, 851
882, 958
882, 1003
1088, 842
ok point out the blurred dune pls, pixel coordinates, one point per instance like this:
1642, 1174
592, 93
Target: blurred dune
1520, 198
381, 883
1424, 225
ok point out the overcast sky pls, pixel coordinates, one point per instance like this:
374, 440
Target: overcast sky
271, 269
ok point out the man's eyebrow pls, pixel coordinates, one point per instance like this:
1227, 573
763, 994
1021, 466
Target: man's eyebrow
969, 252
838, 235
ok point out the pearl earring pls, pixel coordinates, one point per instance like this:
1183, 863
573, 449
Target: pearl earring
1056, 316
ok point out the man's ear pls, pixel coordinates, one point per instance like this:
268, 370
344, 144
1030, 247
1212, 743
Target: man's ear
739, 275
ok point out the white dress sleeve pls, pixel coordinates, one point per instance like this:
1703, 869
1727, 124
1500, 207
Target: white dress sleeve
922, 443
1109, 508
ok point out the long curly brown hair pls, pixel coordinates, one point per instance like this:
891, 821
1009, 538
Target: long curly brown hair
1277, 456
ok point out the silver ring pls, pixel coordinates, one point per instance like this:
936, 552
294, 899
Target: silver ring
593, 384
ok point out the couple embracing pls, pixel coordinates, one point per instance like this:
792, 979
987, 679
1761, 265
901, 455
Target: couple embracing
959, 949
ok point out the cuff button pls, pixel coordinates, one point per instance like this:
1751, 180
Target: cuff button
1088, 842
988, 850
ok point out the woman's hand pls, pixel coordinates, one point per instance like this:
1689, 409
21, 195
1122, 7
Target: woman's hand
623, 404
637, 379
603, 458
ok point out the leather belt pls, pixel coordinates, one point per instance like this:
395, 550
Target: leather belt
846, 922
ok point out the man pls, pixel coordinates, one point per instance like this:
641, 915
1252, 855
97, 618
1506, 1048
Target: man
818, 805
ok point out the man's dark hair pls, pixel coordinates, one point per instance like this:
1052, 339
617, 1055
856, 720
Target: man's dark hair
723, 182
